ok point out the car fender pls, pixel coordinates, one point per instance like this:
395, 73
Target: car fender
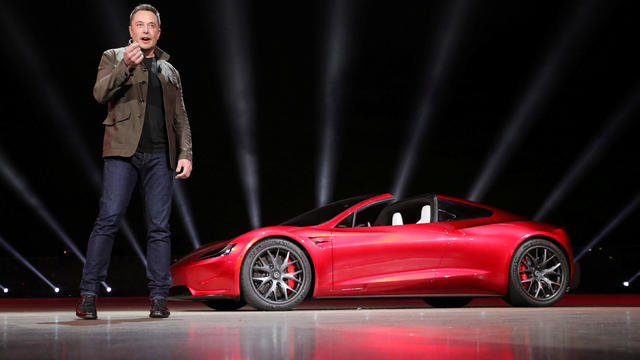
315, 242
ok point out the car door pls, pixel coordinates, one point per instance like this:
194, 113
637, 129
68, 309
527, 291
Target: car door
475, 260
387, 259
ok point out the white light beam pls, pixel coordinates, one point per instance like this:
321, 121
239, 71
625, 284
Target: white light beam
437, 72
334, 64
239, 99
612, 224
26, 263
534, 99
182, 202
590, 155
628, 282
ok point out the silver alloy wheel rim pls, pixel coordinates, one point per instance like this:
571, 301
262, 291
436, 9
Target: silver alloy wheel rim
269, 275
541, 273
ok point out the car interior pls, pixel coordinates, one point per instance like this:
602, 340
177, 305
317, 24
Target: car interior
418, 210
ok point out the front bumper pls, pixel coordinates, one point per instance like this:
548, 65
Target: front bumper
218, 276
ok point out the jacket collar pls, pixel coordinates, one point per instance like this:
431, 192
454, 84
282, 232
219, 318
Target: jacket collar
160, 55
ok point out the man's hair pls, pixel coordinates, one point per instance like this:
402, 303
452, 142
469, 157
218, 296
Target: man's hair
145, 7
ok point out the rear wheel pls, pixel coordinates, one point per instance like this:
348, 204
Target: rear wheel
276, 275
447, 302
225, 304
538, 275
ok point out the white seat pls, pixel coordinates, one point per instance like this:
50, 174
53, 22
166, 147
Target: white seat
396, 219
425, 215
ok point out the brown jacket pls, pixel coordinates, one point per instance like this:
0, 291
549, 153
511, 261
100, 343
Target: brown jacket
125, 92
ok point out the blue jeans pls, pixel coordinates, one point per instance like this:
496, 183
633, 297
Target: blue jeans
120, 177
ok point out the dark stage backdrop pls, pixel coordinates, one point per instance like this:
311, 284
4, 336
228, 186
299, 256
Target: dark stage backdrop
567, 68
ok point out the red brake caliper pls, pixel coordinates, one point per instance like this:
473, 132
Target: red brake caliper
290, 270
523, 275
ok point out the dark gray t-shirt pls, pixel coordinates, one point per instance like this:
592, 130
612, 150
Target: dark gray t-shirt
154, 131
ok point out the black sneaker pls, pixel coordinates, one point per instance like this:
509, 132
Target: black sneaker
159, 309
86, 308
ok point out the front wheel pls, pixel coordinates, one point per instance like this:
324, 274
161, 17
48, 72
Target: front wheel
276, 275
539, 274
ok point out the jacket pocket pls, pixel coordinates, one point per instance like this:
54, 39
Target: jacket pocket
116, 117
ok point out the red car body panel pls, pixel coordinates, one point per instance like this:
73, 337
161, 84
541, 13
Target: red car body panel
463, 257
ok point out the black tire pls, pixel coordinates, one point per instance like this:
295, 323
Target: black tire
539, 274
447, 302
225, 304
276, 275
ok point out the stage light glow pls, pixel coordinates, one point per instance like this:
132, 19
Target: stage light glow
336, 46
535, 98
437, 71
15, 179
106, 287
56, 290
611, 225
590, 155
19, 185
4, 289
234, 51
628, 282
182, 202
25, 262
28, 54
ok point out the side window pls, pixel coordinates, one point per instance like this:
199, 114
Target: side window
367, 217
364, 217
346, 222
452, 210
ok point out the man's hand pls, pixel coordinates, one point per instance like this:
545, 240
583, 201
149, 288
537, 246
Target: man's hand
133, 55
183, 169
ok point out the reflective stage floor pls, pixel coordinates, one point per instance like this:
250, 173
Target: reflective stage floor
580, 327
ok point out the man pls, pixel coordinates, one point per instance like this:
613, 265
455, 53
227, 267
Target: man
147, 136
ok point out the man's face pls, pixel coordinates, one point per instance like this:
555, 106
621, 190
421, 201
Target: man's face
144, 29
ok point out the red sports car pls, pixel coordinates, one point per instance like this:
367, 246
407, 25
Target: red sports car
440, 248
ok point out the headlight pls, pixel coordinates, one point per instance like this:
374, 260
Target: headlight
218, 252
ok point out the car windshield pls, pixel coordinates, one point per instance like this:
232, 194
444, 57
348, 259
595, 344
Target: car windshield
325, 213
